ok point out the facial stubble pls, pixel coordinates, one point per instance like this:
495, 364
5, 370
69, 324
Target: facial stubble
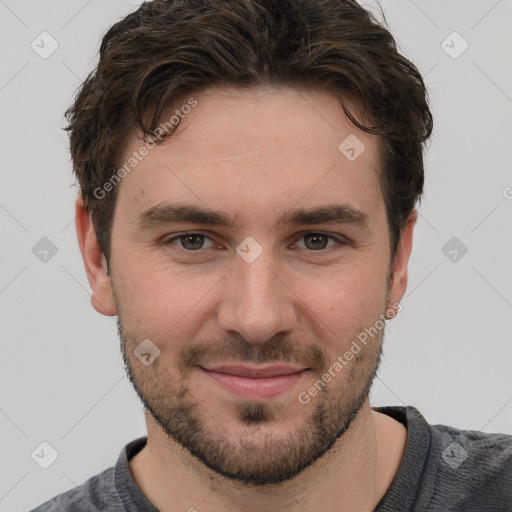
251, 458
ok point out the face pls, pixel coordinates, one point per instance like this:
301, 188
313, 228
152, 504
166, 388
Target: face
252, 314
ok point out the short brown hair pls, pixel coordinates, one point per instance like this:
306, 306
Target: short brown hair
168, 49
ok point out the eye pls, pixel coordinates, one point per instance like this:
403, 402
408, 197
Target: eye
318, 241
314, 241
190, 241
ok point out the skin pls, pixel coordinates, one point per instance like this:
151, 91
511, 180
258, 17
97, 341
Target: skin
253, 155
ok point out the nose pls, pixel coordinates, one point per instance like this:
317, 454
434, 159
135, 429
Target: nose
257, 300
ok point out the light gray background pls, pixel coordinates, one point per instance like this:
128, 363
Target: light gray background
448, 352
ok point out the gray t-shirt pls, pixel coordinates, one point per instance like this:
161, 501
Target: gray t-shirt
443, 469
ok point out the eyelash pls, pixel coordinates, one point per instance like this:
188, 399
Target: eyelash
339, 240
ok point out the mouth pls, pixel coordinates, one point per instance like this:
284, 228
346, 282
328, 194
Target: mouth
255, 382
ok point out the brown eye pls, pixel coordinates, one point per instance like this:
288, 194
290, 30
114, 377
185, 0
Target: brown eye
314, 241
190, 241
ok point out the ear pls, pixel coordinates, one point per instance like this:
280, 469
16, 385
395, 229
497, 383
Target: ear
102, 298
400, 262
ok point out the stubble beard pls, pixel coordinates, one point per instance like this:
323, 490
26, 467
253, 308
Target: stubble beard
256, 454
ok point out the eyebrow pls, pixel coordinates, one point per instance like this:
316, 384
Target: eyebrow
165, 213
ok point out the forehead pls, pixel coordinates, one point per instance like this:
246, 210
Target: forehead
262, 148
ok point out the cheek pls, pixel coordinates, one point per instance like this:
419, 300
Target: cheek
166, 301
156, 297
341, 304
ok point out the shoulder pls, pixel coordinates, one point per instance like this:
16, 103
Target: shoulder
471, 470
98, 493
449, 469
488, 452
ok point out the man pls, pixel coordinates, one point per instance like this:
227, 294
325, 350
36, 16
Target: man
249, 172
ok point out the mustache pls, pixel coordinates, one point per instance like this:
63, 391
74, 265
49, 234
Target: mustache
237, 348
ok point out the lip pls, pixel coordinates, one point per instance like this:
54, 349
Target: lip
255, 372
255, 382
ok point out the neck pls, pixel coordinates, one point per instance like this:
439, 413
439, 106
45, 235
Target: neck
352, 476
